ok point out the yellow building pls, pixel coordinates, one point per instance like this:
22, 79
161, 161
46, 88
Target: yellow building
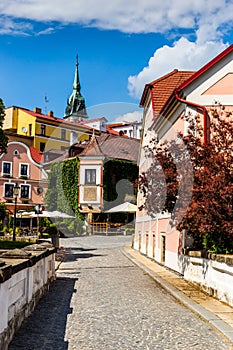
44, 132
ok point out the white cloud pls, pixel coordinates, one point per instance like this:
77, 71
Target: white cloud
207, 20
133, 16
129, 117
46, 31
185, 55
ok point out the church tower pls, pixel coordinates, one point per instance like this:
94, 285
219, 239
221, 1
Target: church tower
76, 109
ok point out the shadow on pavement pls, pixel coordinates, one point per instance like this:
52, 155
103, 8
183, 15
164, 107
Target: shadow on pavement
45, 328
73, 254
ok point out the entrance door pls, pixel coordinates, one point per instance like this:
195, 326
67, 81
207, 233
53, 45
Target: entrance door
163, 248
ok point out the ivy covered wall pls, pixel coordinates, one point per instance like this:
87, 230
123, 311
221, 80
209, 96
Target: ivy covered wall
62, 193
115, 173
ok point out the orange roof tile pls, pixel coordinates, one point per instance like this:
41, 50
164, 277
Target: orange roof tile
37, 156
163, 87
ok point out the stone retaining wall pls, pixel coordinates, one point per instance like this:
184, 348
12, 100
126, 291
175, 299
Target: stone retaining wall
214, 274
25, 275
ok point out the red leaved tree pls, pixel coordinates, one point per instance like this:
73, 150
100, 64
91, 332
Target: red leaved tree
194, 181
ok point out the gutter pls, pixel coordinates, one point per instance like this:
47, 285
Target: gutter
205, 114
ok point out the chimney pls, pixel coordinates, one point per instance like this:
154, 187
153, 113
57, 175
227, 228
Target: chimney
50, 114
37, 110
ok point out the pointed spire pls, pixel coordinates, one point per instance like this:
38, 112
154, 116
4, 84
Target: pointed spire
76, 109
76, 84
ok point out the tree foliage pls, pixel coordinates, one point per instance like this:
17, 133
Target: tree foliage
119, 172
3, 211
200, 196
3, 137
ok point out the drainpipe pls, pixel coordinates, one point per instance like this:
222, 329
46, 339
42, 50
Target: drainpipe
205, 114
152, 102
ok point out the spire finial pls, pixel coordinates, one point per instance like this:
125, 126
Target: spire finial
76, 108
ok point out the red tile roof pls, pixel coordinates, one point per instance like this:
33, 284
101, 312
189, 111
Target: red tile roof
58, 120
37, 156
113, 132
163, 87
196, 75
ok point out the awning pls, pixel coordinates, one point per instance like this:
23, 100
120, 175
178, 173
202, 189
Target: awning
123, 208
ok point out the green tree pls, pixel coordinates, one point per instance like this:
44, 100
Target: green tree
2, 211
3, 137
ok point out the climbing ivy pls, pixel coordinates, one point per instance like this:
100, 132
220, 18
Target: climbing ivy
114, 171
62, 193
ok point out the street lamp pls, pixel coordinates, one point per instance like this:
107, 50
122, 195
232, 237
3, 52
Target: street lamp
15, 194
38, 210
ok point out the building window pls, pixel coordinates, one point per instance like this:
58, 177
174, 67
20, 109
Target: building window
30, 129
42, 129
90, 176
63, 134
8, 190
24, 191
73, 137
24, 170
42, 146
16, 152
6, 168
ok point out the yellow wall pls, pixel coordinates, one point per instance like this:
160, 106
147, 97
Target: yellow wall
19, 121
11, 118
24, 121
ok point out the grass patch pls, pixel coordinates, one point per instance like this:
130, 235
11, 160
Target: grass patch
4, 244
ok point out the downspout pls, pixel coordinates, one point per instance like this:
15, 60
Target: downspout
152, 103
205, 114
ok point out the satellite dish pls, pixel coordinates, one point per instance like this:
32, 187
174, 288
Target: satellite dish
24, 129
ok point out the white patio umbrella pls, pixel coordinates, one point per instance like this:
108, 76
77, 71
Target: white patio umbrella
54, 214
123, 208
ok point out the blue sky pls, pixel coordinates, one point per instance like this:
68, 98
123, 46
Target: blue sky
121, 47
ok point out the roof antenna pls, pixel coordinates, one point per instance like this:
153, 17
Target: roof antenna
46, 100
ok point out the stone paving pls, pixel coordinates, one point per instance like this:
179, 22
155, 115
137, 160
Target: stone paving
102, 301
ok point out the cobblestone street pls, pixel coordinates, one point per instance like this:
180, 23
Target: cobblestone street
102, 301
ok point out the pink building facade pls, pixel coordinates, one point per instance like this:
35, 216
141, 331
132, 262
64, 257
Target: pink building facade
165, 101
21, 166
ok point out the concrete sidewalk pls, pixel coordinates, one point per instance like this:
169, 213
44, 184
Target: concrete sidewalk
216, 313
